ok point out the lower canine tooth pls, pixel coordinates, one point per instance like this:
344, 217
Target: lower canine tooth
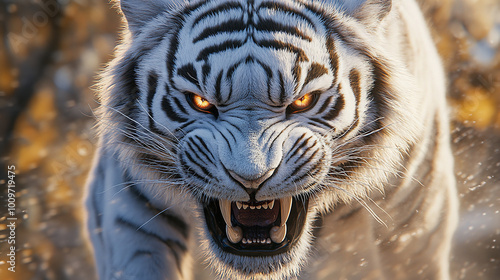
234, 234
278, 233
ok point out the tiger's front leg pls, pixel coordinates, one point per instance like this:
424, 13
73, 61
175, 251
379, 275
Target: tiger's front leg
132, 238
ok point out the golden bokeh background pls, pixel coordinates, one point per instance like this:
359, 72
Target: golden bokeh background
50, 52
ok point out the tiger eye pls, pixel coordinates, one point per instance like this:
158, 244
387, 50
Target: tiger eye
200, 103
304, 103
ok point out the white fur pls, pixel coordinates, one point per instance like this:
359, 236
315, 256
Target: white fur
250, 143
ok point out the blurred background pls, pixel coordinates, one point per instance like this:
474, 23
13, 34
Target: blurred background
50, 52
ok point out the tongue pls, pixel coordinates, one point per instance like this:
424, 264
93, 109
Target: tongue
256, 217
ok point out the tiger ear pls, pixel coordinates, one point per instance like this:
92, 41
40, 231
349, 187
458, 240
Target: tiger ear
139, 12
371, 12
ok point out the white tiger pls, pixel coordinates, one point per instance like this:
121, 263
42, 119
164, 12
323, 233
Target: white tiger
275, 140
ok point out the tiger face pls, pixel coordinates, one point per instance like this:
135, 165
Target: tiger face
265, 115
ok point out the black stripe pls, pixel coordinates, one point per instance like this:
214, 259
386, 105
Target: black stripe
232, 135
334, 58
282, 89
221, 8
334, 112
137, 193
287, 10
299, 168
278, 45
174, 246
202, 142
195, 162
267, 128
315, 71
226, 45
270, 25
180, 128
277, 136
172, 50
190, 171
176, 25
315, 169
180, 105
269, 71
325, 105
231, 69
381, 95
196, 151
356, 89
227, 141
128, 102
123, 221
152, 83
205, 71
355, 84
171, 114
218, 93
320, 122
231, 25
297, 141
203, 152
189, 73
298, 148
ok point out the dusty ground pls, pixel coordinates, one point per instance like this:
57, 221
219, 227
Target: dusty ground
48, 58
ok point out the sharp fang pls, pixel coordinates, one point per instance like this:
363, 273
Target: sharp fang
225, 208
271, 204
286, 206
278, 233
234, 234
268, 241
239, 204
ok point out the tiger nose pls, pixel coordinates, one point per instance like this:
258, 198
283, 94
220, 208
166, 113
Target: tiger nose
252, 183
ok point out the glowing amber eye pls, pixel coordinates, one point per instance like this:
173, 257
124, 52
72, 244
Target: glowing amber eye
200, 103
304, 103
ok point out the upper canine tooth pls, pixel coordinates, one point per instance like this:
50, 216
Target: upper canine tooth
239, 204
278, 233
225, 208
271, 204
234, 234
286, 207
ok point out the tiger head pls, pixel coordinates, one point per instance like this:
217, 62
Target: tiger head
263, 114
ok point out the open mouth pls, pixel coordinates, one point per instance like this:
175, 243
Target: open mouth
256, 227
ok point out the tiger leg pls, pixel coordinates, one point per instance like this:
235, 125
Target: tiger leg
131, 238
